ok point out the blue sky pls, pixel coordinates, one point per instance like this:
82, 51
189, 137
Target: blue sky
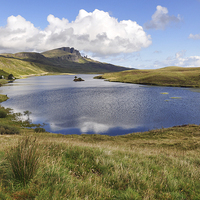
143, 34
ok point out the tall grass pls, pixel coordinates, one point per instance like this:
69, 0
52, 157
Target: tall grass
24, 160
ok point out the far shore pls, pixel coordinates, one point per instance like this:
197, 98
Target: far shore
168, 76
44, 74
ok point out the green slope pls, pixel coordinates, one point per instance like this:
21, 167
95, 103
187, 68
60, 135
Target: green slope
168, 76
19, 67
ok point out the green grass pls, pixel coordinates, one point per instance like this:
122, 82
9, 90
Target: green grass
19, 67
168, 76
158, 164
23, 160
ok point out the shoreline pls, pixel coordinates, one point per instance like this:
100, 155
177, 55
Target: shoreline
5, 97
147, 84
44, 74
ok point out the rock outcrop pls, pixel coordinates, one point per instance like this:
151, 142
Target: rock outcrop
66, 53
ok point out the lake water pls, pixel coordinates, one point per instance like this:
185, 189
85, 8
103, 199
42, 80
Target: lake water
101, 107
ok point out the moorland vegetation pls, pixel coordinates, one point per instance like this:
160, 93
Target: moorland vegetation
168, 76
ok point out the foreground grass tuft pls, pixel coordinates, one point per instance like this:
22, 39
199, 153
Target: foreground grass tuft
23, 160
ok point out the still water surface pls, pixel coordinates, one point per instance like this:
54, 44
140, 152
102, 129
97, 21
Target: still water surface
98, 106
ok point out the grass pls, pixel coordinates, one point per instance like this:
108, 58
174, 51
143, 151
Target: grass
158, 164
168, 76
23, 160
19, 67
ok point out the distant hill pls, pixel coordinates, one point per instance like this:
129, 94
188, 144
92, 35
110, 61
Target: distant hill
167, 76
61, 60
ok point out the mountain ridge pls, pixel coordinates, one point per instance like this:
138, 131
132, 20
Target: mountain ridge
60, 60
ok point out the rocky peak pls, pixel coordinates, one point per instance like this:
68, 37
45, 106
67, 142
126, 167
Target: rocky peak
70, 50
72, 54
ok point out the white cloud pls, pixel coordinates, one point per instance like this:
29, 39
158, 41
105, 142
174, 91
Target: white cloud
95, 32
191, 61
88, 126
161, 18
195, 37
94, 127
179, 60
180, 54
17, 34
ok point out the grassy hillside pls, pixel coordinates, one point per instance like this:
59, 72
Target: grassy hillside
19, 67
168, 76
62, 60
159, 164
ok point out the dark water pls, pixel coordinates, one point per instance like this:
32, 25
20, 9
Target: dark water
98, 106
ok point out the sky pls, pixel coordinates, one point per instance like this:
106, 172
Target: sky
141, 34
